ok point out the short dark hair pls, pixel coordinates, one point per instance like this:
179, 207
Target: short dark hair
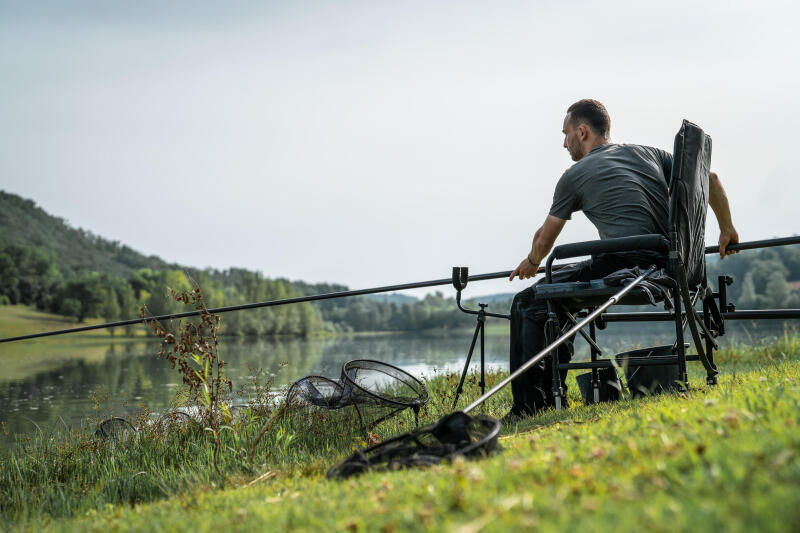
592, 113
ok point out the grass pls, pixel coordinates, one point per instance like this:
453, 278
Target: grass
23, 319
726, 457
20, 360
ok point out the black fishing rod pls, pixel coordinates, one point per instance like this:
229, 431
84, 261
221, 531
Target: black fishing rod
272, 303
751, 245
767, 243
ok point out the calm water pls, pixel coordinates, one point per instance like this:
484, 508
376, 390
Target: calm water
60, 392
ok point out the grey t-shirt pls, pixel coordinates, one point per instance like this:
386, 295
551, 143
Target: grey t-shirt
622, 188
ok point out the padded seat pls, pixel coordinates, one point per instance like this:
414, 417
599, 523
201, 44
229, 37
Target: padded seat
589, 293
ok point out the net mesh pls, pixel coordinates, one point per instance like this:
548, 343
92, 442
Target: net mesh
114, 428
372, 391
456, 434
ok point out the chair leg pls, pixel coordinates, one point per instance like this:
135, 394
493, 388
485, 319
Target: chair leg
681, 349
711, 377
595, 372
551, 335
692, 319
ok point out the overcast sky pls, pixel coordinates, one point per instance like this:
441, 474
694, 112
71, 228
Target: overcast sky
373, 143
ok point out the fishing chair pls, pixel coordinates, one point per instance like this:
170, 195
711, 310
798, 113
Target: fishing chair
683, 253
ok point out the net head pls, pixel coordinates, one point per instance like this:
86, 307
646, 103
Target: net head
318, 391
453, 429
369, 381
114, 428
368, 392
456, 434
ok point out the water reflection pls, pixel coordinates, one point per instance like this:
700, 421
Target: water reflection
131, 374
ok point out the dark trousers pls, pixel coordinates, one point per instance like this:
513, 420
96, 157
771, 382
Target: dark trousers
533, 390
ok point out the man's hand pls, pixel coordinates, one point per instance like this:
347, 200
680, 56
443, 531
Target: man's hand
727, 237
543, 241
525, 270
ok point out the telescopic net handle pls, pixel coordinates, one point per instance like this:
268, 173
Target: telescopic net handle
558, 342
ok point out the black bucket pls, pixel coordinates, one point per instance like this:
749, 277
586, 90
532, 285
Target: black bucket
644, 380
610, 386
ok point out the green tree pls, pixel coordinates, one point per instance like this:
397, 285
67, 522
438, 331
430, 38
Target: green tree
776, 290
70, 307
89, 291
747, 298
9, 282
129, 307
111, 308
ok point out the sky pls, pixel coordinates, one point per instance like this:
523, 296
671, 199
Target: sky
381, 142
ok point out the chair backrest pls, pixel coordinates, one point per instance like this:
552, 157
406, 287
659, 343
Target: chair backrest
688, 198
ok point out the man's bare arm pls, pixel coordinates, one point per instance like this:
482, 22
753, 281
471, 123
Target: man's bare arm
543, 241
718, 201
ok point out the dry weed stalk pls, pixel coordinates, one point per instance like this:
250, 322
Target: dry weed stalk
193, 348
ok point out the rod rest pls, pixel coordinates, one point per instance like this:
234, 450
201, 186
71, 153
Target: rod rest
654, 242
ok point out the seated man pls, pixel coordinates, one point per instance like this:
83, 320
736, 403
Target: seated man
624, 190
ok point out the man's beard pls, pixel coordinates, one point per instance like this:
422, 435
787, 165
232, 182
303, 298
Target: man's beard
575, 152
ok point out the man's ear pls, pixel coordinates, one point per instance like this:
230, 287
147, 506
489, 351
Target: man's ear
583, 132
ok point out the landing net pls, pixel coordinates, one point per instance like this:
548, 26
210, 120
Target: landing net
371, 390
456, 434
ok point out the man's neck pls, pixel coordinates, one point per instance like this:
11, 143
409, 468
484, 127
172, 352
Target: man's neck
594, 144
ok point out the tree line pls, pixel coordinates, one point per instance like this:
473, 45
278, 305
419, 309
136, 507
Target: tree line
33, 276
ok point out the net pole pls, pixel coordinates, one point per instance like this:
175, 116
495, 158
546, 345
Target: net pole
558, 342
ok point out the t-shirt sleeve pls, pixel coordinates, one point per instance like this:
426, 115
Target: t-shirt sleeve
565, 198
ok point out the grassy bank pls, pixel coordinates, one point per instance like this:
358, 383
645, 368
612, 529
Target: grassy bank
725, 457
25, 358
23, 319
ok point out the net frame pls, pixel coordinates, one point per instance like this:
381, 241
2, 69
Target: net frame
350, 391
349, 377
113, 428
456, 434
298, 392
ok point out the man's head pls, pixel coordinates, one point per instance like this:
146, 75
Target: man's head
586, 126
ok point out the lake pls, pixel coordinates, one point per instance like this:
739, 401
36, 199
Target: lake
61, 381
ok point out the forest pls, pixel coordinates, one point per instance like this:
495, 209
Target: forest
48, 264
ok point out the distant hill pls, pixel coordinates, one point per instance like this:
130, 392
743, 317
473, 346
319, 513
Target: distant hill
72, 272
399, 299
77, 251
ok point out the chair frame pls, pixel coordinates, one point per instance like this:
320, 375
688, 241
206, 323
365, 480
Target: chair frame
710, 321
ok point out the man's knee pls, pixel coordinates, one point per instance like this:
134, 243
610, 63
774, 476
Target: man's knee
527, 306
525, 295
522, 300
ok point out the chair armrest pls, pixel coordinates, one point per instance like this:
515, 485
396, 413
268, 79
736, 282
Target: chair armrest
654, 242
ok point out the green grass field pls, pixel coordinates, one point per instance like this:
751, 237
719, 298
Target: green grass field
721, 458
23, 319
25, 358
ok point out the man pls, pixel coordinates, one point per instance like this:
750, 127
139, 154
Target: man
623, 190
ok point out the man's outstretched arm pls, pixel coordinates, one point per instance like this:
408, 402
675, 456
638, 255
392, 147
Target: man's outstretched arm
718, 201
543, 241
